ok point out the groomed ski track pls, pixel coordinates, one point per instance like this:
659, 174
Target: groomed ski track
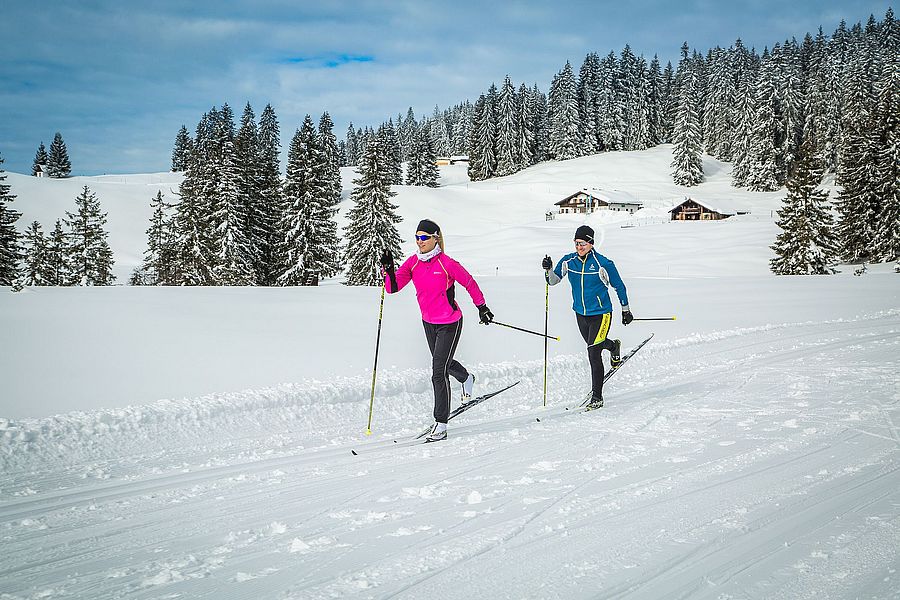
748, 463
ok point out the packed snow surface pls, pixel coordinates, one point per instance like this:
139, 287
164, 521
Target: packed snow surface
211, 443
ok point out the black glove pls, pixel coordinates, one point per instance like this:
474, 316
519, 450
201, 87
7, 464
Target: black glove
547, 263
627, 317
387, 261
486, 315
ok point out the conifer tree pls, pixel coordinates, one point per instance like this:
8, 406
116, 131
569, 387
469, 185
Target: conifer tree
563, 119
10, 252
527, 128
508, 128
248, 163
887, 166
40, 160
233, 255
309, 249
352, 147
331, 159
34, 266
91, 256
58, 164
58, 261
859, 201
588, 91
159, 257
482, 154
806, 244
390, 145
609, 119
182, 152
372, 227
687, 146
763, 149
268, 213
422, 167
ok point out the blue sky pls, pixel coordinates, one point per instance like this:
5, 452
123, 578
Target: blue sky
118, 78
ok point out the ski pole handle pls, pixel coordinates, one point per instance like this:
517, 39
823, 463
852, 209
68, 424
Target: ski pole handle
552, 337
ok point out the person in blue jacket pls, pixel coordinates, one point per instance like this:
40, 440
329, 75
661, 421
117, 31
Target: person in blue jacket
590, 275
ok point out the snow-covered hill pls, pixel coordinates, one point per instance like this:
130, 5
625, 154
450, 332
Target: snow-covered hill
196, 443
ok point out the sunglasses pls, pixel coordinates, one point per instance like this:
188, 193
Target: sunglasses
423, 238
580, 244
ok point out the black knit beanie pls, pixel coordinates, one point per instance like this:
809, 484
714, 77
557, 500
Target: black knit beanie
428, 227
585, 233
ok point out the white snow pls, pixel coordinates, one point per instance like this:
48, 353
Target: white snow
196, 443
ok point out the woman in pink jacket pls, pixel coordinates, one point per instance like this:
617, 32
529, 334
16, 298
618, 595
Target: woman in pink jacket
434, 274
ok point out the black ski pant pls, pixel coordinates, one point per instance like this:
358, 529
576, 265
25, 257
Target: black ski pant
442, 341
594, 329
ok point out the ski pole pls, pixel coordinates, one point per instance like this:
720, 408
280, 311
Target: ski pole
526, 330
375, 368
546, 317
655, 319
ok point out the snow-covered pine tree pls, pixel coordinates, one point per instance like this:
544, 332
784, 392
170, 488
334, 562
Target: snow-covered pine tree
719, 98
391, 150
743, 115
859, 201
482, 157
508, 130
440, 133
181, 153
422, 167
407, 134
806, 244
91, 256
610, 119
158, 265
887, 171
309, 249
459, 138
352, 147
633, 101
34, 265
58, 164
58, 260
687, 162
233, 253
10, 251
40, 159
191, 244
248, 161
372, 220
765, 133
656, 104
790, 90
331, 159
268, 212
565, 126
541, 125
527, 126
670, 102
587, 91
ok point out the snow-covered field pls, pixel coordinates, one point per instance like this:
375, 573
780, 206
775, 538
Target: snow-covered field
196, 443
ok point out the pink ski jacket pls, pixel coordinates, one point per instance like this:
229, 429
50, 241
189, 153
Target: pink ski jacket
434, 280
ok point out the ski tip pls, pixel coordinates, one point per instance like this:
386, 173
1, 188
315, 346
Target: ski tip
353, 452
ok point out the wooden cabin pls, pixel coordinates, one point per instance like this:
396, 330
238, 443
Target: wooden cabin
692, 210
591, 200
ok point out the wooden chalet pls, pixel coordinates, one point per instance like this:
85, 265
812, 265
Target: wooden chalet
588, 201
692, 210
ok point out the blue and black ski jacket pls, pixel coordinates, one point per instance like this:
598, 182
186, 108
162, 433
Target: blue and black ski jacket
590, 277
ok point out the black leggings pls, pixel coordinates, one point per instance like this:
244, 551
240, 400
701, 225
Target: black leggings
442, 341
594, 329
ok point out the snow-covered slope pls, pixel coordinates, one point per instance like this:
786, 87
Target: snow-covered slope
196, 443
